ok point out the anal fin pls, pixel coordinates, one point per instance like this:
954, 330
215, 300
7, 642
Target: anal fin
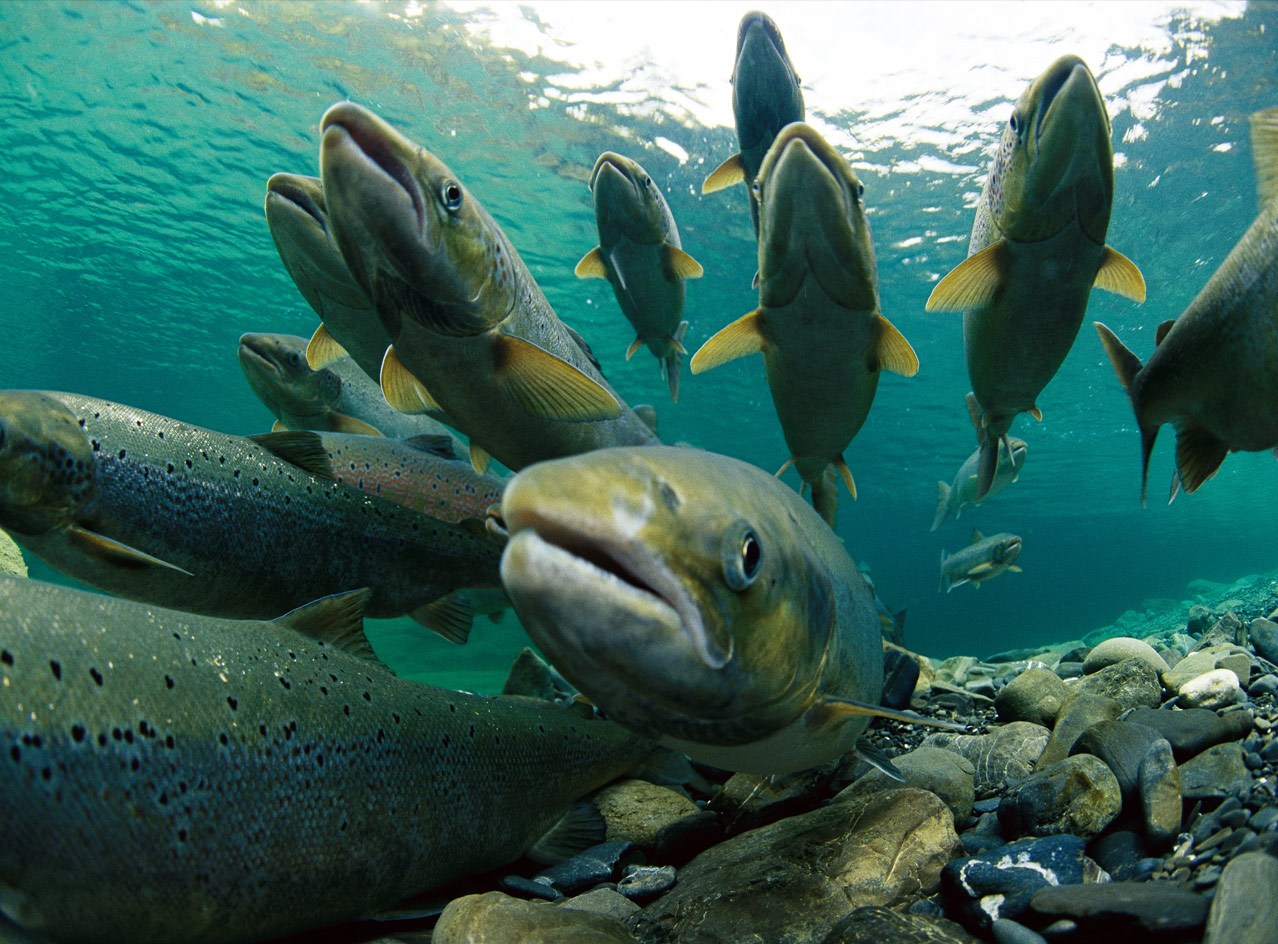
451, 616
1199, 454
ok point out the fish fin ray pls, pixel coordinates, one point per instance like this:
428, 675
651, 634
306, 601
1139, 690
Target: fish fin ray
402, 390
341, 423
1199, 454
323, 349
591, 266
894, 352
1119, 275
451, 616
784, 467
972, 283
302, 448
730, 172
479, 458
682, 265
337, 620
738, 339
1264, 151
434, 444
580, 828
117, 553
879, 761
279, 427
548, 386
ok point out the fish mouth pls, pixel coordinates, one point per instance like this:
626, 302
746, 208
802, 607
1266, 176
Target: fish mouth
298, 194
254, 354
612, 164
758, 28
346, 127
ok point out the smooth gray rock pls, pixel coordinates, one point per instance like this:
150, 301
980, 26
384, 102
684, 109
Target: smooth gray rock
1007, 931
1122, 746
1245, 909
947, 774
637, 811
1116, 908
1001, 758
1036, 696
1264, 638
1191, 730
1078, 795
1224, 655
876, 925
1161, 801
1131, 683
1216, 772
494, 918
1079, 713
643, 883
602, 900
1119, 649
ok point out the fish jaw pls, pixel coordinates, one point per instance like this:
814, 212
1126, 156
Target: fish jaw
46, 464
626, 202
275, 367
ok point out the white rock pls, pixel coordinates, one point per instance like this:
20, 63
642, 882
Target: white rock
1214, 689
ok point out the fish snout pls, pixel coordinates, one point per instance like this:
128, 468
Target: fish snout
46, 464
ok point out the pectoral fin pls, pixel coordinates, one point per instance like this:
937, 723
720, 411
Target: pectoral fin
582, 826
635, 345
894, 353
301, 448
323, 349
337, 620
730, 172
681, 264
592, 266
1264, 151
744, 336
112, 552
1119, 275
833, 707
341, 423
977, 570
402, 390
479, 458
846, 473
973, 283
451, 616
548, 386
1035, 412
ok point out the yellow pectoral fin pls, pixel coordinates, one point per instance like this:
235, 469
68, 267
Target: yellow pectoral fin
341, 423
479, 458
402, 390
894, 352
973, 282
634, 348
744, 336
1035, 412
323, 349
1264, 151
730, 172
682, 264
548, 386
979, 569
591, 266
110, 551
1119, 275
1014, 569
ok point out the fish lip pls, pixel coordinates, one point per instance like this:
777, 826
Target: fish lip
362, 131
611, 161
255, 355
285, 188
756, 22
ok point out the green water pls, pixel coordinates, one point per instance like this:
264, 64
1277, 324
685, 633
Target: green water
133, 251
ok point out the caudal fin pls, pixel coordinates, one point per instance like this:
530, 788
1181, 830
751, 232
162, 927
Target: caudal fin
1126, 366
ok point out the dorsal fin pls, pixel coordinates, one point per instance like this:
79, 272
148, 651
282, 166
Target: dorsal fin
1162, 331
435, 444
302, 448
337, 620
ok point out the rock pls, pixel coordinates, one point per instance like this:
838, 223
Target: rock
1229, 656
793, 880
1192, 729
1079, 713
1119, 649
1216, 772
1007, 931
643, 883
530, 888
604, 901
1118, 851
636, 811
748, 801
600, 863
1214, 689
1077, 795
875, 925
947, 774
900, 676
999, 883
1245, 909
954, 670
1263, 634
685, 838
1036, 696
1001, 758
1122, 746
1115, 908
494, 918
1131, 683
11, 561
1161, 801
1228, 630
1198, 619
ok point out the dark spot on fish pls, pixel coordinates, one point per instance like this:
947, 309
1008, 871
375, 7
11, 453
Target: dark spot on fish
319, 760
181, 835
46, 774
77, 733
57, 669
82, 423
135, 765
102, 740
16, 753
230, 700
97, 676
261, 729
235, 474
323, 689
452, 708
164, 799
346, 710
6, 657
395, 716
117, 734
169, 467
168, 682
97, 446
128, 735
161, 434
121, 454
169, 742
367, 697
285, 682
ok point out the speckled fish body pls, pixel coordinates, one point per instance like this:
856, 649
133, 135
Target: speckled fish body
297, 216
339, 397
641, 256
156, 510
984, 558
818, 324
472, 332
965, 492
697, 600
1214, 372
173, 778
1037, 248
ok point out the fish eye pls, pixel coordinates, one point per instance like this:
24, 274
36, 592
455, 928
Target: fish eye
860, 191
647, 181
451, 195
756, 189
1014, 124
742, 556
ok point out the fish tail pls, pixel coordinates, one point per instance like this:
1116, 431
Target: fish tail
670, 361
825, 496
1126, 366
987, 463
942, 504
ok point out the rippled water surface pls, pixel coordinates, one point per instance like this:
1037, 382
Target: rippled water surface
138, 138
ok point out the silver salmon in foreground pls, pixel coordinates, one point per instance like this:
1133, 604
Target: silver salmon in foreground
981, 560
696, 600
172, 779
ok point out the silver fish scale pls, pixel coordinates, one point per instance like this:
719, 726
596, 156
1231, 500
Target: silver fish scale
172, 778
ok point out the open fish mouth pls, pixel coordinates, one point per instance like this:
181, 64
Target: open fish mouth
284, 188
367, 136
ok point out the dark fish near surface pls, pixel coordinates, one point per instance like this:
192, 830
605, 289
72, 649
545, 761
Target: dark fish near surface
696, 600
339, 398
173, 778
765, 98
641, 256
979, 561
156, 510
1037, 248
472, 332
1214, 371
818, 325
965, 492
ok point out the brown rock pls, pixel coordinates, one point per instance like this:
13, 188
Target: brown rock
494, 918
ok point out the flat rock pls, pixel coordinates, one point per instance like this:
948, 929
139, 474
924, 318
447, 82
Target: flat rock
637, 811
1191, 730
602, 900
1161, 800
1131, 683
494, 918
1245, 909
1214, 689
791, 882
1036, 696
599, 863
1078, 795
1079, 713
1216, 772
947, 774
643, 883
1119, 649
1000, 882
876, 925
1003, 757
1115, 908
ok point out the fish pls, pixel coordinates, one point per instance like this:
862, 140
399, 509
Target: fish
1212, 374
892, 625
697, 601
471, 331
1037, 249
765, 98
160, 511
297, 216
338, 398
818, 325
170, 778
984, 558
641, 256
964, 492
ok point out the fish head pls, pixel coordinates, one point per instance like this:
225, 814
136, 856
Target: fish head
1018, 449
765, 88
415, 239
663, 584
1006, 548
46, 463
812, 223
276, 368
297, 216
1055, 162
628, 201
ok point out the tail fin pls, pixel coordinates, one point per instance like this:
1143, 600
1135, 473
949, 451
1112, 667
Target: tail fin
670, 363
1126, 366
986, 464
942, 504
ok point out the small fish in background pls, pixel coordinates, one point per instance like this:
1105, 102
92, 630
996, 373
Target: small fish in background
965, 492
765, 98
1214, 370
818, 326
297, 217
339, 398
698, 601
1037, 249
891, 624
641, 256
472, 333
193, 779
981, 560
